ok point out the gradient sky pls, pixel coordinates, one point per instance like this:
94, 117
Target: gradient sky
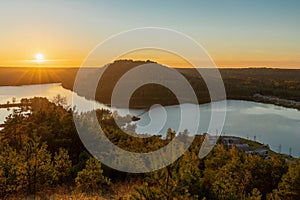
236, 33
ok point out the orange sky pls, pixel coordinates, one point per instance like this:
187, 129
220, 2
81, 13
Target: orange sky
234, 33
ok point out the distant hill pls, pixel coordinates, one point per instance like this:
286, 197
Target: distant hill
240, 84
144, 96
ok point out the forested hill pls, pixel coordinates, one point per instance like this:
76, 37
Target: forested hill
240, 84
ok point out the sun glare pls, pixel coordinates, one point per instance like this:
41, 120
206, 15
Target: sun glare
39, 57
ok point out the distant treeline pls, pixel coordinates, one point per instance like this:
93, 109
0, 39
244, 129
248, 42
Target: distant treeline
15, 76
240, 84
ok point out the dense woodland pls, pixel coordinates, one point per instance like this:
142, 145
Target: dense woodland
42, 156
241, 84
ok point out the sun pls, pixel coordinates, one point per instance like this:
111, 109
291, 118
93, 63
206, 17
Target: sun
39, 57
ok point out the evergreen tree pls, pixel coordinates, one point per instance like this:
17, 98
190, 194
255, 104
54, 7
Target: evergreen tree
62, 165
91, 179
180, 180
289, 188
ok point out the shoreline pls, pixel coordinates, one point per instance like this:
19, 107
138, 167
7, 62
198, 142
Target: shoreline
263, 101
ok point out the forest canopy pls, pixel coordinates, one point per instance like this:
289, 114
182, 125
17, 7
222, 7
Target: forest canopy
41, 154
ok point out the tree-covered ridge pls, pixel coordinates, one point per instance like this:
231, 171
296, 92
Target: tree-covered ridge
41, 154
240, 84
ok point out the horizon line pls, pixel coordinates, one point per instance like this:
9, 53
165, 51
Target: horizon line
166, 65
76, 67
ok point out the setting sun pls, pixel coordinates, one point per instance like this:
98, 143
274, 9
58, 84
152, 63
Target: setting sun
39, 57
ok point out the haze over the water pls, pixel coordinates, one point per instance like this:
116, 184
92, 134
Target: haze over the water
235, 33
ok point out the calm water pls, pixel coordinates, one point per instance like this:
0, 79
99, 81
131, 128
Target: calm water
267, 123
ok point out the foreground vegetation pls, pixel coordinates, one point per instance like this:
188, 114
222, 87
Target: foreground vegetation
42, 156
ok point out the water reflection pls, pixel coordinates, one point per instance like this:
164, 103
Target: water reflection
267, 123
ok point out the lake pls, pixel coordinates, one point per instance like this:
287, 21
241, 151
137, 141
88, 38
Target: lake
269, 124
